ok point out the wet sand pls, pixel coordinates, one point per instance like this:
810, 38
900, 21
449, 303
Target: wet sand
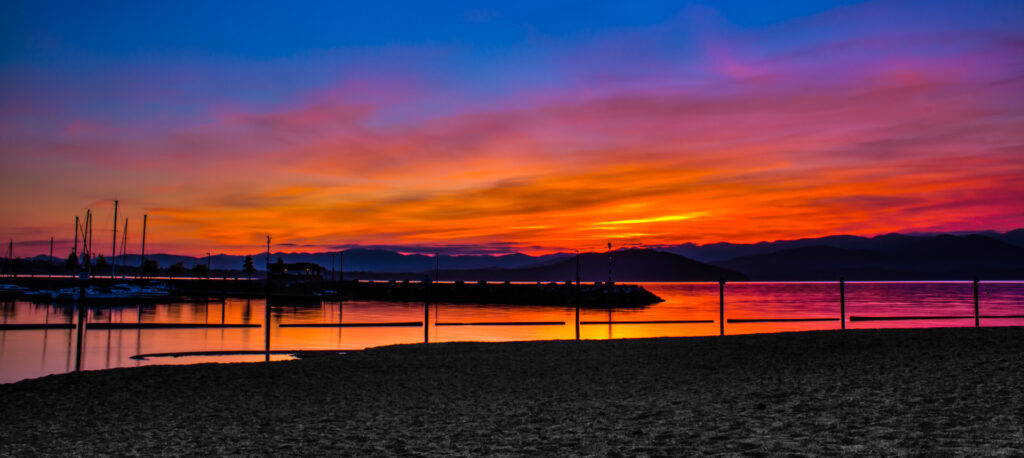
922, 391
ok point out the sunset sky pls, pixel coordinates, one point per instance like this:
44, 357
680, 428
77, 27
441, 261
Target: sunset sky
509, 126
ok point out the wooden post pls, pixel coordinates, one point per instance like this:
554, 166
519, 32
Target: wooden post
266, 306
426, 313
721, 306
82, 314
977, 317
577, 294
842, 302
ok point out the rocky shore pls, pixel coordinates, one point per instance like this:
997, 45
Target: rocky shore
922, 392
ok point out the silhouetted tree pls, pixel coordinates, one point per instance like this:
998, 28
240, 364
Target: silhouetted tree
101, 263
70, 262
150, 268
248, 267
200, 271
176, 270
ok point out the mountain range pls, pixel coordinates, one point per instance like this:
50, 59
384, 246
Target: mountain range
989, 254
628, 265
723, 251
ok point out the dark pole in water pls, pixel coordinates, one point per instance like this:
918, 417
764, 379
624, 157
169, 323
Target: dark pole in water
437, 268
842, 301
332, 266
266, 307
426, 313
81, 332
577, 294
113, 256
721, 306
341, 276
977, 318
266, 328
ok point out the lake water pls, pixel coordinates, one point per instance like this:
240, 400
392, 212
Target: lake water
35, 353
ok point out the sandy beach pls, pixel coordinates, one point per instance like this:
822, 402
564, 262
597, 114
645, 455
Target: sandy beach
934, 391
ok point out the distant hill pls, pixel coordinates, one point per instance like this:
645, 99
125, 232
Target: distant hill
717, 252
891, 257
629, 265
1014, 237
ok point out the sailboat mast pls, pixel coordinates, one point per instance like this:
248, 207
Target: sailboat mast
144, 217
74, 251
88, 232
113, 255
124, 242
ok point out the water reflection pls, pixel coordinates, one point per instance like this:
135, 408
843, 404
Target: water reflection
34, 353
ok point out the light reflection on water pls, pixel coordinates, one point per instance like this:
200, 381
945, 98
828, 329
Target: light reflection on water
29, 354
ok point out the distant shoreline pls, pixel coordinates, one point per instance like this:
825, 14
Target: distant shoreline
901, 391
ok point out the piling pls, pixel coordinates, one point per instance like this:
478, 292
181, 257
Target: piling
577, 294
977, 317
426, 313
266, 307
721, 306
81, 336
842, 302
266, 328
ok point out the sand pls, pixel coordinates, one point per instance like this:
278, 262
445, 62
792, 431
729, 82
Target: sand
938, 391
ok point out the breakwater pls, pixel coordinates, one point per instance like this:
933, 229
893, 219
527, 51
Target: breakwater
299, 290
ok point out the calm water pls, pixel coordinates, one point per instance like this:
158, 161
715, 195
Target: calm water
29, 354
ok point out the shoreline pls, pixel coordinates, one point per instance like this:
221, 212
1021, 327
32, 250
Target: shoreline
919, 391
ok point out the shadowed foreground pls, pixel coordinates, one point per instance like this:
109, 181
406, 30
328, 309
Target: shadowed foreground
896, 391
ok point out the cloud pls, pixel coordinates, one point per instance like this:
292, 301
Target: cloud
739, 136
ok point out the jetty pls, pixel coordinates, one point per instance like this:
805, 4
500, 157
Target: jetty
597, 295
